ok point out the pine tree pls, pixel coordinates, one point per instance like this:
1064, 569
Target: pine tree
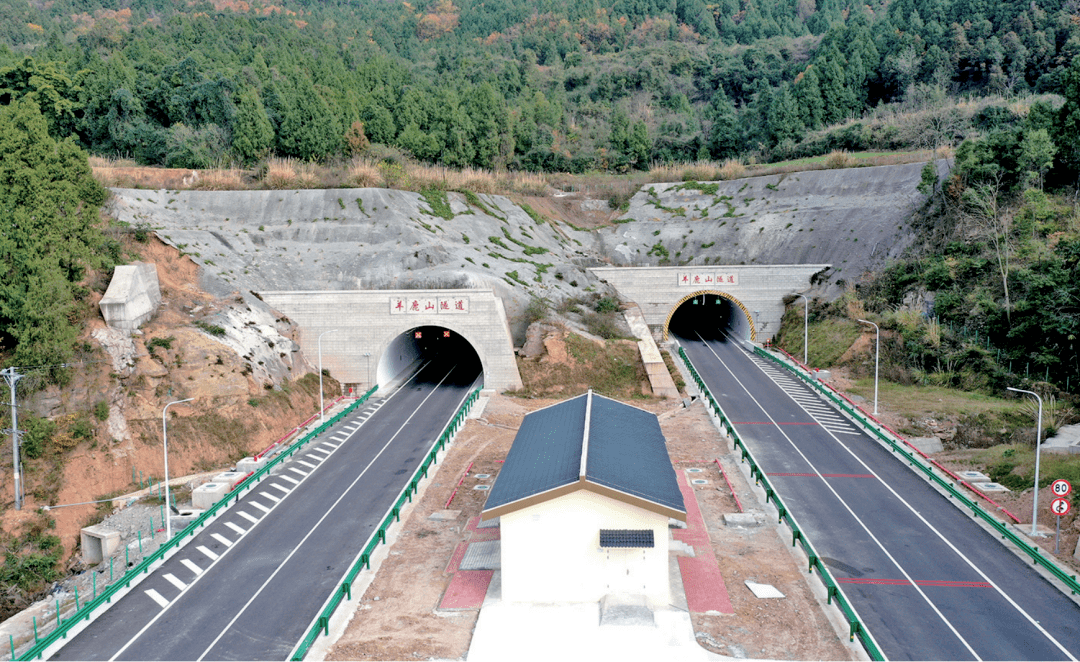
808, 95
1067, 130
252, 133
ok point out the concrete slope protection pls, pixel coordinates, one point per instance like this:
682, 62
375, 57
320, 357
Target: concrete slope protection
250, 584
928, 582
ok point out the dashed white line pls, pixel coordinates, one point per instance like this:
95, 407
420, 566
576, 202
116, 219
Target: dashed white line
271, 497
156, 597
171, 578
306, 464
295, 470
259, 506
221, 539
210, 555
249, 518
191, 566
291, 480
279, 488
235, 528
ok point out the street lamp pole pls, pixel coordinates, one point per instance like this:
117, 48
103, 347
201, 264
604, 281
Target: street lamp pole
322, 417
805, 330
165, 444
1038, 444
877, 356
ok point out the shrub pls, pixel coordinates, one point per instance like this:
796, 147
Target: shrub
164, 343
101, 410
606, 305
212, 329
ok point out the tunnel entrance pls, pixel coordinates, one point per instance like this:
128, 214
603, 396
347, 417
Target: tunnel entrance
446, 352
712, 315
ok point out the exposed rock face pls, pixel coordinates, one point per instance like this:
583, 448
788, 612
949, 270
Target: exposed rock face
119, 346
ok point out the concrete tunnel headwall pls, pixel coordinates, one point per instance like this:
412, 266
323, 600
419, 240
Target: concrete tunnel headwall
756, 291
360, 328
404, 349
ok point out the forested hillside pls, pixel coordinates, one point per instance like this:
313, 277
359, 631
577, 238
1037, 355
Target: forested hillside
534, 85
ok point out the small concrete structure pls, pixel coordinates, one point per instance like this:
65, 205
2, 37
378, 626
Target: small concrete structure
230, 478
663, 386
207, 494
926, 444
132, 297
1066, 441
584, 500
98, 543
250, 465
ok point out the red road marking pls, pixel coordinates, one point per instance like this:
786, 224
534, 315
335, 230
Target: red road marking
945, 583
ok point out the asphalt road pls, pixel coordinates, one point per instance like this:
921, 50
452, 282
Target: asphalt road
928, 582
250, 584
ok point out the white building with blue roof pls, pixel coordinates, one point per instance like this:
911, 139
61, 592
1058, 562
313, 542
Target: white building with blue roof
584, 500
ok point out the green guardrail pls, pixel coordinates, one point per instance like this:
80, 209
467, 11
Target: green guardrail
856, 628
895, 444
132, 575
363, 562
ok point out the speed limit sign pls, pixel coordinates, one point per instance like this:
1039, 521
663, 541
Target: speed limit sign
1059, 506
1061, 487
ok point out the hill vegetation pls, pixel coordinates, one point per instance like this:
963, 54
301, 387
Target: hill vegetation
603, 85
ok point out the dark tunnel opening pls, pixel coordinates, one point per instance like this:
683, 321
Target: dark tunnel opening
443, 353
709, 316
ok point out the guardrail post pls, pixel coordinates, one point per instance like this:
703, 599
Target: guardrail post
347, 590
324, 625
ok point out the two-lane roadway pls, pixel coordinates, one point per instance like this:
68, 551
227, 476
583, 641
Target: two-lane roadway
928, 581
250, 584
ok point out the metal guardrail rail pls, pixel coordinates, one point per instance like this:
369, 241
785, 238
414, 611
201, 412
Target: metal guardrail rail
344, 591
885, 435
856, 628
144, 568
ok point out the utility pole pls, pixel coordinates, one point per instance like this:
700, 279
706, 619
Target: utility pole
12, 378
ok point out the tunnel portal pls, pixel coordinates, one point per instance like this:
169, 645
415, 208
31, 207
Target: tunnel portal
712, 315
435, 344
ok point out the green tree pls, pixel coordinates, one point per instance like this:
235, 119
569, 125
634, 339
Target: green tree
55, 94
724, 136
1067, 131
808, 96
784, 122
252, 133
48, 208
1037, 155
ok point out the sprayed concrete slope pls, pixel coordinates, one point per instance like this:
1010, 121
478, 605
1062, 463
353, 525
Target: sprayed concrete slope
854, 219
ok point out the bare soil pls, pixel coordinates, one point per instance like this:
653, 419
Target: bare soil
398, 617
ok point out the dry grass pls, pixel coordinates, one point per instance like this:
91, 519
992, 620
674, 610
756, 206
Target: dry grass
838, 159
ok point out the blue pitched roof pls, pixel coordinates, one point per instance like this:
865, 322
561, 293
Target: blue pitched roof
625, 456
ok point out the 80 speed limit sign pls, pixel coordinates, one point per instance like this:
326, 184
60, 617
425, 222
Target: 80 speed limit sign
1059, 507
1061, 487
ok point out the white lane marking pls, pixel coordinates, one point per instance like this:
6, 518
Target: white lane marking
249, 518
279, 488
295, 470
321, 519
291, 480
271, 497
156, 597
306, 464
235, 528
171, 578
828, 486
316, 454
191, 566
212, 556
221, 539
226, 542
332, 446
259, 506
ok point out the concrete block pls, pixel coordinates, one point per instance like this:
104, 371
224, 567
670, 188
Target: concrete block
823, 375
98, 543
632, 610
926, 444
208, 494
741, 520
484, 555
231, 478
133, 296
250, 465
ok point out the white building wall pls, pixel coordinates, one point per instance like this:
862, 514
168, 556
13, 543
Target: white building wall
551, 551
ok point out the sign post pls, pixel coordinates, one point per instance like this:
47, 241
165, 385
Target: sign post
1059, 507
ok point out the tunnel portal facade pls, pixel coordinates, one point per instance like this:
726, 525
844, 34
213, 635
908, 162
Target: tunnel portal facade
369, 336
755, 294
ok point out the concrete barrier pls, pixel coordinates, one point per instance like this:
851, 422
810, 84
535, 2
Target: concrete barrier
133, 296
